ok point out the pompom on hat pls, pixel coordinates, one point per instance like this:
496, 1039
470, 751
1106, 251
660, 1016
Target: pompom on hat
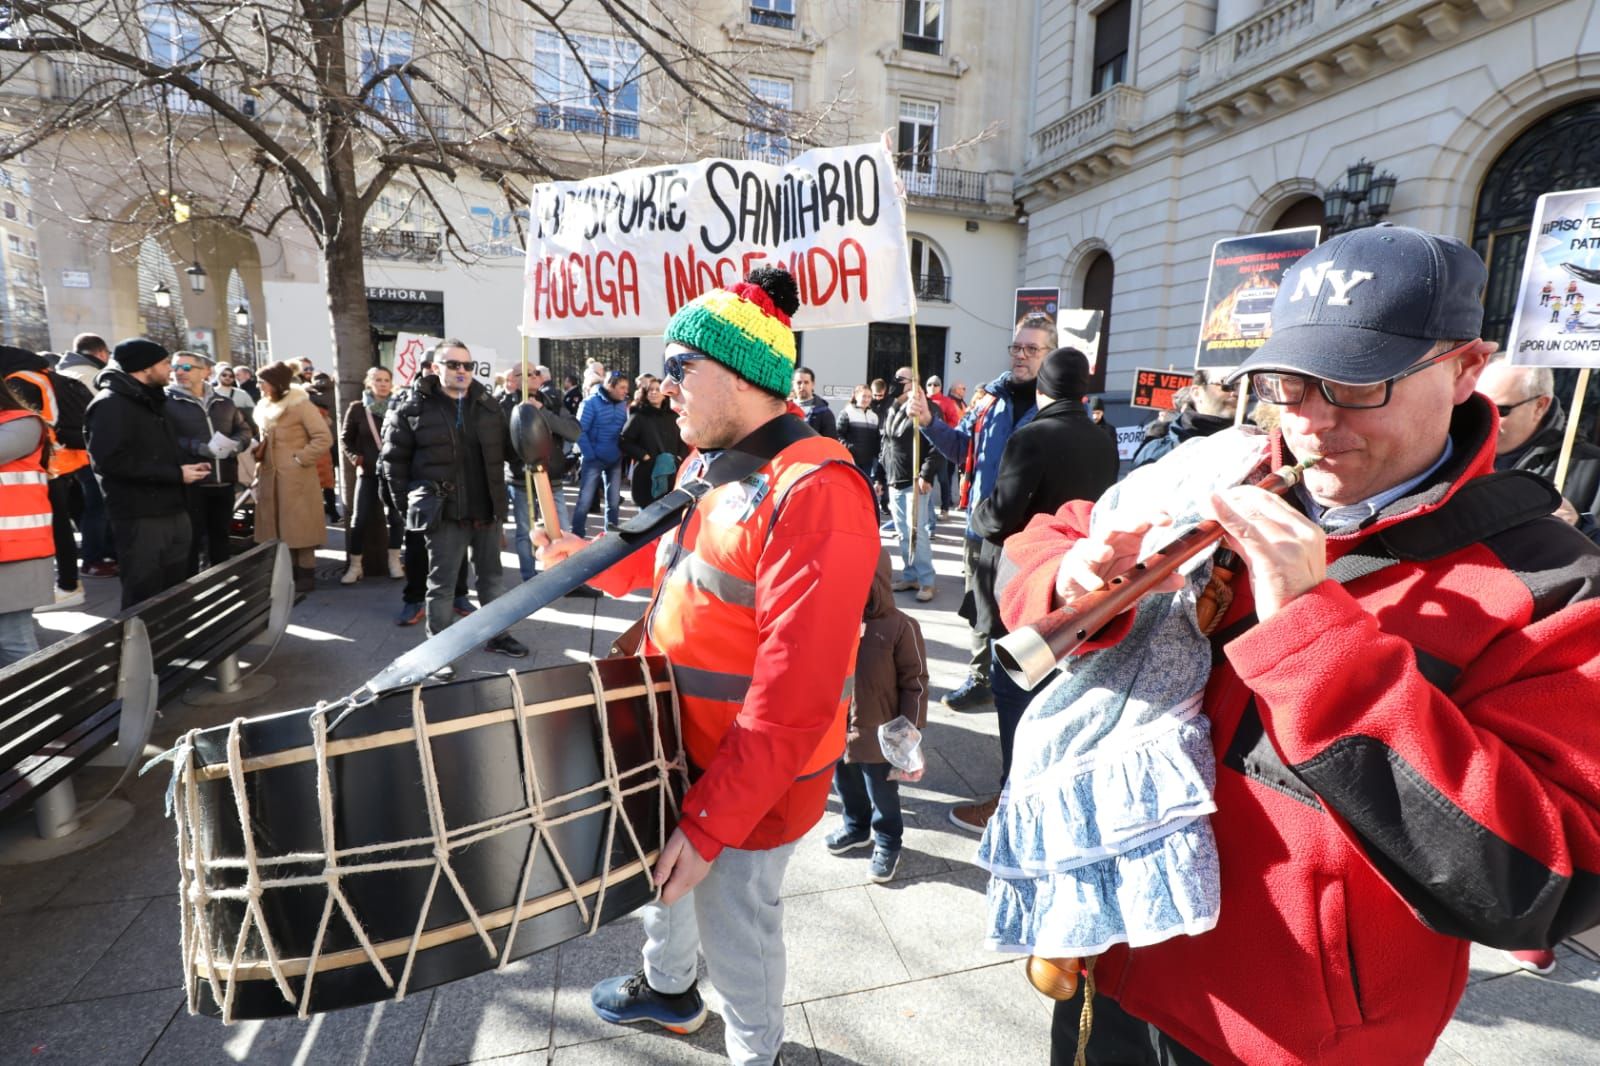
742, 328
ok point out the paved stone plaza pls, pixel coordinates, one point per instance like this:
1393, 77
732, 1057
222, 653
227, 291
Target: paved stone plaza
878, 974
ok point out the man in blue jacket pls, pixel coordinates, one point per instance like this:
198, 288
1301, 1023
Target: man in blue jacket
1012, 406
601, 416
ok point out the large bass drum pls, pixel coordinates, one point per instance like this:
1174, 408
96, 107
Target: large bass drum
433, 834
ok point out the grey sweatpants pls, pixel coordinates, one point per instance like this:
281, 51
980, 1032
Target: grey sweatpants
736, 917
448, 545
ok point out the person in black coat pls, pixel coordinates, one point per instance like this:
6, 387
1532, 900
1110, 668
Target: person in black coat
651, 432
1059, 455
198, 413
444, 452
362, 436
141, 469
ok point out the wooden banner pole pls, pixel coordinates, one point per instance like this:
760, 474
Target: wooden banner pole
1572, 430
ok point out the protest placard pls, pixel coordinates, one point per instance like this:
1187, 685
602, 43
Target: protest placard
411, 348
1079, 327
1042, 301
1245, 272
1155, 388
617, 255
1557, 319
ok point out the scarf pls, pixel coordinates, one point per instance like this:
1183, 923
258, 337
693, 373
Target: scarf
378, 407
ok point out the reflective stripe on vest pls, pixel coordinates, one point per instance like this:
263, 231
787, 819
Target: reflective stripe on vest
25, 515
63, 461
704, 613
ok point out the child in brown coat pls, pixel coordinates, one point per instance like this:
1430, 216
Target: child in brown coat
891, 680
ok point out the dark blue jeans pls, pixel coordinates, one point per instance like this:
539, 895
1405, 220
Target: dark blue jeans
866, 792
1010, 701
590, 476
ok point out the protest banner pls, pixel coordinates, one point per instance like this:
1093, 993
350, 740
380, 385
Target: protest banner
1079, 327
1552, 326
1557, 317
1128, 440
1046, 302
616, 256
1155, 388
1245, 272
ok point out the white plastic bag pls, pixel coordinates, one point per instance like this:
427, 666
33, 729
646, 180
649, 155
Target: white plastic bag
902, 746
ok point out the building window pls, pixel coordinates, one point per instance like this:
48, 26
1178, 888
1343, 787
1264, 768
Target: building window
776, 13
11, 210
382, 49
591, 86
172, 39
772, 106
928, 271
918, 140
1111, 46
14, 243
923, 28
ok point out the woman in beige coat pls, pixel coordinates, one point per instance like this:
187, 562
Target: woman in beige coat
288, 493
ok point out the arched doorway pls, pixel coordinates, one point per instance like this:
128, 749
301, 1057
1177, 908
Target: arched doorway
1098, 281
1560, 151
1306, 211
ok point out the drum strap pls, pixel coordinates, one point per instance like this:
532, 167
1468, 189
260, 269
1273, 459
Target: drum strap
640, 531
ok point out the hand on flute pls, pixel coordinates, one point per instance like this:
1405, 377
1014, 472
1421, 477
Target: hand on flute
1285, 551
1097, 558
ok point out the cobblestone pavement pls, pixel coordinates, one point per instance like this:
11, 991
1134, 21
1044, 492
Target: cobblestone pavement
890, 973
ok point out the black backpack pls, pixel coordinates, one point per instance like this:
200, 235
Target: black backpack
72, 402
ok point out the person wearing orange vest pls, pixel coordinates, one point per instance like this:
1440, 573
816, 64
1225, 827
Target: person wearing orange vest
757, 601
61, 401
26, 543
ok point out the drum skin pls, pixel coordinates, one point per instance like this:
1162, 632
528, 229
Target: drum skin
378, 797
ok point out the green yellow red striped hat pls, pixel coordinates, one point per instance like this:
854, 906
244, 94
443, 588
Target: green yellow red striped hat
741, 328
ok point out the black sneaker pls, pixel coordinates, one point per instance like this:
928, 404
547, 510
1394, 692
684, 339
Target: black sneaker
973, 695
630, 1000
506, 644
884, 860
842, 840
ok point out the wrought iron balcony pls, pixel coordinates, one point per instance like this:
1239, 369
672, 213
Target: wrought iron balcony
934, 288
778, 20
418, 246
74, 80
587, 120
947, 183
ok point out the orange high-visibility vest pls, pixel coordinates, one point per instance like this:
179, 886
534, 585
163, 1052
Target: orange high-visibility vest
25, 503
62, 460
703, 617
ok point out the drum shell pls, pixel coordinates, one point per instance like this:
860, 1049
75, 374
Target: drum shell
377, 797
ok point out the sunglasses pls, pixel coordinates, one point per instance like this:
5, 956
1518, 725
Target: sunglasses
677, 364
1507, 408
183, 366
457, 364
1279, 387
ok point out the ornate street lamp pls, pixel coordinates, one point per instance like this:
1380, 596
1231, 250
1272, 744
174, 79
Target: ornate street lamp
241, 315
1363, 200
197, 277
1358, 179
162, 294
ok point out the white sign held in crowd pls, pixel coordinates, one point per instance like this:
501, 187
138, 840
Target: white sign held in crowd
411, 348
618, 255
1557, 321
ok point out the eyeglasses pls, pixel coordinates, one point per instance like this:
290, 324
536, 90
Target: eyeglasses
457, 364
183, 366
1507, 408
677, 363
1031, 349
1286, 389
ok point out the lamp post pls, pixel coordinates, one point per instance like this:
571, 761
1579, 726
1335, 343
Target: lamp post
1363, 200
162, 294
197, 277
241, 315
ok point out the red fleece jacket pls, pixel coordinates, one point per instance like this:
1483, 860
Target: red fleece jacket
1407, 762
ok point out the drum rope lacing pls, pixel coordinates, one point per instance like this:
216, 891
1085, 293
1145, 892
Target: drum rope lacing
197, 894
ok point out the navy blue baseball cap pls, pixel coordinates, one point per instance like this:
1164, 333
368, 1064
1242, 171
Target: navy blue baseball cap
1364, 306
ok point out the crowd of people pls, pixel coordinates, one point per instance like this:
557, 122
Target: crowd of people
1400, 663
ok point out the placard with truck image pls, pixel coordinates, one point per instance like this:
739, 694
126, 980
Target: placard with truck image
1245, 272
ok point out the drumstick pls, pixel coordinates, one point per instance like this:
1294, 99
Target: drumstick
549, 517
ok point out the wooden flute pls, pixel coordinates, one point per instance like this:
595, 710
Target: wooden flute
1030, 653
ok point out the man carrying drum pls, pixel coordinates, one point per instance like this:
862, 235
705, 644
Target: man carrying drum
1403, 699
756, 600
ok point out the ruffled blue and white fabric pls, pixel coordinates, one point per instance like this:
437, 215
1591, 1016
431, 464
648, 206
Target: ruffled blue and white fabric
1102, 835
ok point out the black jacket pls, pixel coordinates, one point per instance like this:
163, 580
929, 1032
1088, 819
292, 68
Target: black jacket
194, 419
819, 416
1541, 453
562, 425
1059, 455
133, 450
898, 431
861, 432
356, 435
650, 431
421, 442
72, 397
